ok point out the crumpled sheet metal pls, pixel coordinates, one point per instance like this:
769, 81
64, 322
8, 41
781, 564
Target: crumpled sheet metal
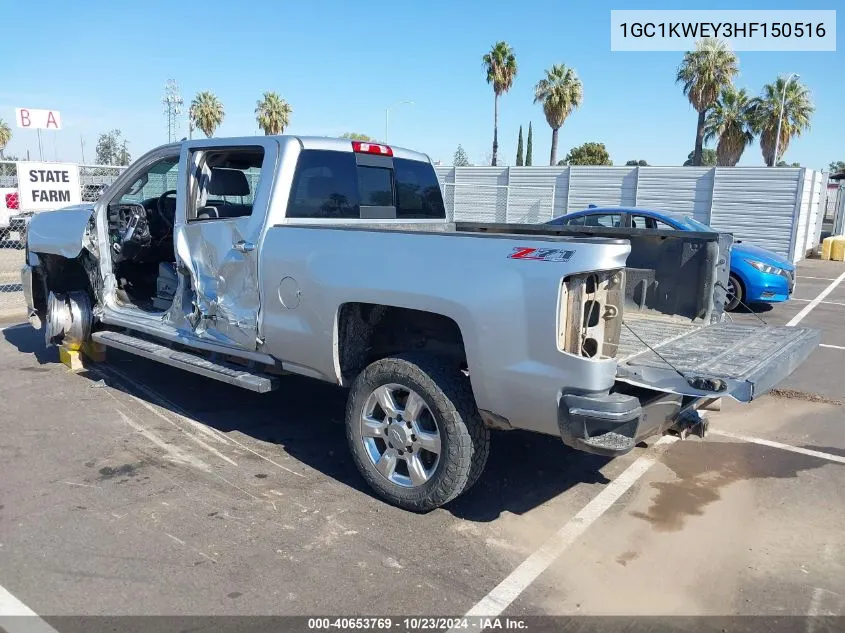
225, 285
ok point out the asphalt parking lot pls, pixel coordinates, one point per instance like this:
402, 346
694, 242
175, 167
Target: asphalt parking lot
134, 488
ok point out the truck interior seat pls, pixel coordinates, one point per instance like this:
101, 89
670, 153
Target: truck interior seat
226, 182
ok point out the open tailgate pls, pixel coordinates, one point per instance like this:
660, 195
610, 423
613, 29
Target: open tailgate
739, 360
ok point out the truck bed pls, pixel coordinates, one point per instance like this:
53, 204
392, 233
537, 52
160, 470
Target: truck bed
653, 330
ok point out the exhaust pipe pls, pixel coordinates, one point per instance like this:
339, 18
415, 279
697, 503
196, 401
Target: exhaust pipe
689, 422
711, 404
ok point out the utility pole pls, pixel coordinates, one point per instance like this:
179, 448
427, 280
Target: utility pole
387, 116
172, 101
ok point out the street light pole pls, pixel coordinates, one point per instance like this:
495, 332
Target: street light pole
387, 116
780, 115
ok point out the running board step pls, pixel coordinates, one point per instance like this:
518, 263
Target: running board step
222, 371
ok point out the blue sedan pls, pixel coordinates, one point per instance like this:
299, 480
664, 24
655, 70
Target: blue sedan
757, 275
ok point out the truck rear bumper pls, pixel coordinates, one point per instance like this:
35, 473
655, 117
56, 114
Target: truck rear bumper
601, 424
612, 424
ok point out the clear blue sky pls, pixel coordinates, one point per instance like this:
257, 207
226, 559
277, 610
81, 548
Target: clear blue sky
341, 63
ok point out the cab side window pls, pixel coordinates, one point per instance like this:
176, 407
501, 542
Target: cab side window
226, 182
326, 186
149, 185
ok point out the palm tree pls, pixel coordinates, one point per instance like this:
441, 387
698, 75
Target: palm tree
703, 73
500, 64
797, 110
5, 136
273, 113
560, 92
206, 112
730, 120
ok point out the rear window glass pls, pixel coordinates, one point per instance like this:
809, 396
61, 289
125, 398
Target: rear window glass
375, 186
325, 186
330, 184
417, 190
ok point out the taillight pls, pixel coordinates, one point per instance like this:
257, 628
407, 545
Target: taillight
371, 148
12, 202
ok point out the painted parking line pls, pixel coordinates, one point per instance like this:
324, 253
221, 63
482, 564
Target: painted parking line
826, 346
818, 278
16, 617
503, 594
809, 307
824, 303
839, 459
495, 602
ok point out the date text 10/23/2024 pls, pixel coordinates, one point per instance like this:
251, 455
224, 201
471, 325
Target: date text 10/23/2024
421, 623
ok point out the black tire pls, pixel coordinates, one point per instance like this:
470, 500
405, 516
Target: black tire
482, 445
734, 300
465, 441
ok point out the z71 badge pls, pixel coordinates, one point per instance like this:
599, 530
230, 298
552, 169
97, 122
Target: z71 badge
541, 254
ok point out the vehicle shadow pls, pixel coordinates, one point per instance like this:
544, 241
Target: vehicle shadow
754, 308
524, 471
30, 341
305, 418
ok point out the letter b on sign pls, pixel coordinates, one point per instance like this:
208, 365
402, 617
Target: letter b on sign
23, 118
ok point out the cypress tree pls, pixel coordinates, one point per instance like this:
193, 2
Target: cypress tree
529, 148
519, 162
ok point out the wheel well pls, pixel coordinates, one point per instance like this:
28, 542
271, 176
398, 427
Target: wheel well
368, 332
61, 274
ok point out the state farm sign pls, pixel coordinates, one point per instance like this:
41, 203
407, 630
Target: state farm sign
45, 186
29, 118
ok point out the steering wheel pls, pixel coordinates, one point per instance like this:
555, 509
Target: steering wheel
160, 202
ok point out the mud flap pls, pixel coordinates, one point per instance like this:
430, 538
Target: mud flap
724, 359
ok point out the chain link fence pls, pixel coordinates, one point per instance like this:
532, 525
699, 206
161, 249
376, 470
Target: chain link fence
14, 216
498, 203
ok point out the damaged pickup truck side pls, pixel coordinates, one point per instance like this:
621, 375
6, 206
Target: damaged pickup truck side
242, 259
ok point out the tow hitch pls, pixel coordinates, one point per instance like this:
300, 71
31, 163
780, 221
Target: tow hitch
689, 422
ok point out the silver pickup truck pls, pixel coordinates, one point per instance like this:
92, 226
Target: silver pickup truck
244, 258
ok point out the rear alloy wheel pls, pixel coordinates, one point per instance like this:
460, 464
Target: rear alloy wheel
734, 294
414, 431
